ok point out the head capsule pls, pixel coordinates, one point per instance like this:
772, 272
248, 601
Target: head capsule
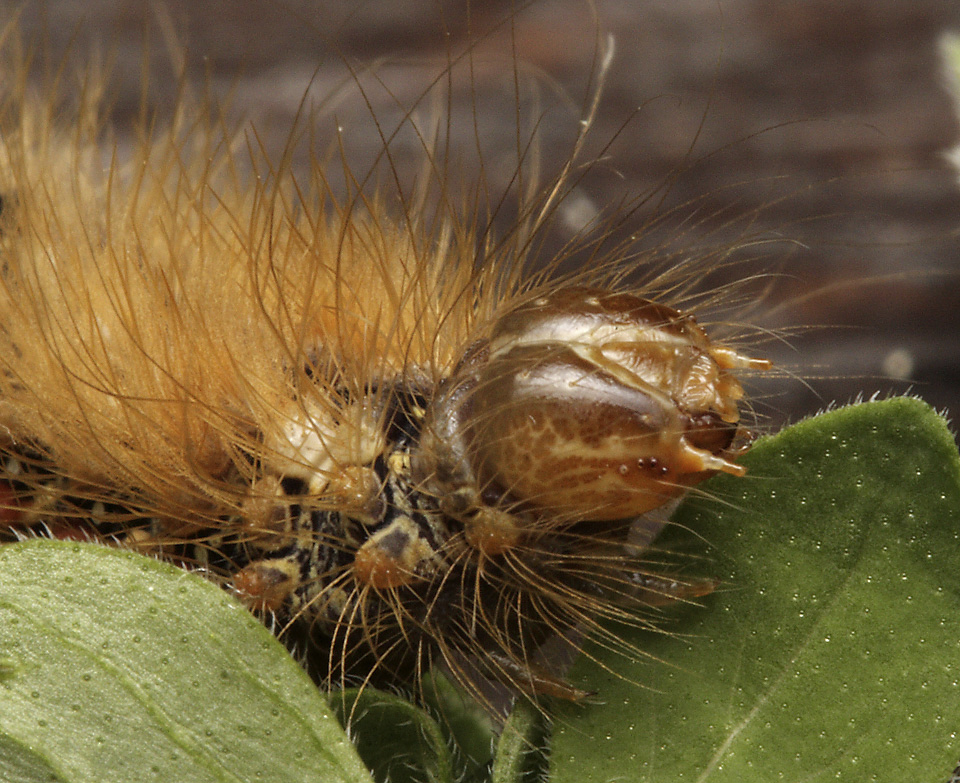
586, 405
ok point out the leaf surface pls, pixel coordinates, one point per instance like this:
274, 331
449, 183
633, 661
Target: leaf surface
121, 668
831, 651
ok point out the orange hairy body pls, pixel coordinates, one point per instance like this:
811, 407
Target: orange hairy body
376, 429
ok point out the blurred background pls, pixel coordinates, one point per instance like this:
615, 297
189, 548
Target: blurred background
812, 135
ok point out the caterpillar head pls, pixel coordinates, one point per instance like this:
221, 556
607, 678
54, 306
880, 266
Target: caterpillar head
585, 404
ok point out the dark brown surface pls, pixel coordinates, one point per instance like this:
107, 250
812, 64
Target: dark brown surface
827, 120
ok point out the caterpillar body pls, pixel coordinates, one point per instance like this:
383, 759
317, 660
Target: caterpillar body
382, 433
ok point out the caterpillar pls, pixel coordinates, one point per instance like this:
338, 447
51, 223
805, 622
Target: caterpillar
375, 424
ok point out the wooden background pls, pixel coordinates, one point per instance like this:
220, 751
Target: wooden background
822, 124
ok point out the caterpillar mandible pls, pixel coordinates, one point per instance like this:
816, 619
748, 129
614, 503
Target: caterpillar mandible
379, 429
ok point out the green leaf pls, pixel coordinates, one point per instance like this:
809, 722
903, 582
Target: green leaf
520, 754
397, 740
19, 764
115, 667
469, 729
831, 650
